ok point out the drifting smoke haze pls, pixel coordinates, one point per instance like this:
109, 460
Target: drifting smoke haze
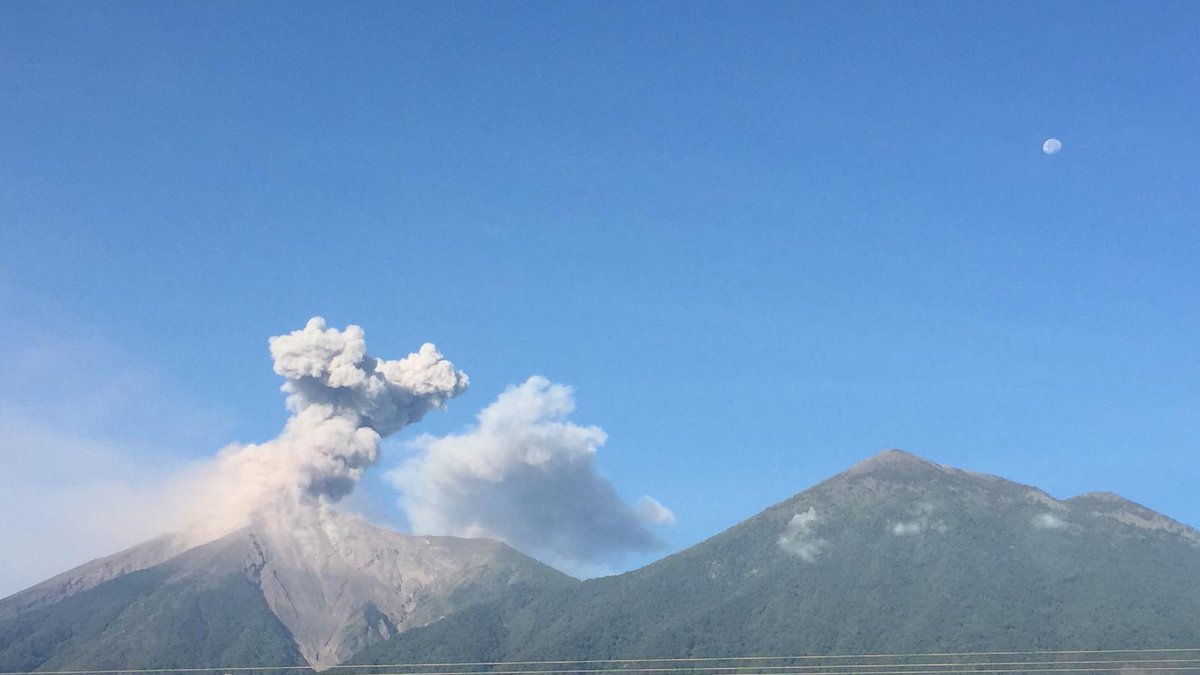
526, 475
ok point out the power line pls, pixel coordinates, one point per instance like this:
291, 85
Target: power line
883, 660
786, 670
839, 668
702, 659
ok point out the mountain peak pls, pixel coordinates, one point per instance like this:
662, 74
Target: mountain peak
897, 555
892, 459
323, 584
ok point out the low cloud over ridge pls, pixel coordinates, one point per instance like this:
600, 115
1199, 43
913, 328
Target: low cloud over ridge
799, 538
527, 475
1048, 521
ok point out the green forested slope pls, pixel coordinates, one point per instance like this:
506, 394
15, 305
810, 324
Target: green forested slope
896, 555
147, 620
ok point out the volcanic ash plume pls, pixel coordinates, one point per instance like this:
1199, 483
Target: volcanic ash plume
526, 475
343, 402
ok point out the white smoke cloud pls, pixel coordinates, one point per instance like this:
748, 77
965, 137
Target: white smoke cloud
1048, 521
921, 523
651, 510
799, 539
526, 475
343, 402
912, 527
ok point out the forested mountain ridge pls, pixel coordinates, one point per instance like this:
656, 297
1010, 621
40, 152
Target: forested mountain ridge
897, 554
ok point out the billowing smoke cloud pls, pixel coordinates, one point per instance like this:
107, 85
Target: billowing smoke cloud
343, 402
526, 475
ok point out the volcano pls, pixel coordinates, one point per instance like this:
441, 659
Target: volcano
307, 590
898, 554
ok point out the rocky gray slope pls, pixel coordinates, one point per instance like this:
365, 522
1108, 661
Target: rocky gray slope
315, 586
897, 554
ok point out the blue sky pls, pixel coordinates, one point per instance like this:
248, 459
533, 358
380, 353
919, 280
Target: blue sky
761, 240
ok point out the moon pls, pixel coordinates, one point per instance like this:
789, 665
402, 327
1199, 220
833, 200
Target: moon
1051, 146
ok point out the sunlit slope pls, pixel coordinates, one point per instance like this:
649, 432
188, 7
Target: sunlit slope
160, 617
895, 555
310, 590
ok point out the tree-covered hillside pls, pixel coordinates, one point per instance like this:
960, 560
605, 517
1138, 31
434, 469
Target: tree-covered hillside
895, 555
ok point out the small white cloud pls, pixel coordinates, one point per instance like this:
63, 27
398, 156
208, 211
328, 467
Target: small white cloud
650, 510
798, 539
920, 524
1048, 521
